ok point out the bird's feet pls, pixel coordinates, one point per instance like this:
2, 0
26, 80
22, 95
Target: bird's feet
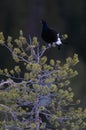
49, 45
54, 44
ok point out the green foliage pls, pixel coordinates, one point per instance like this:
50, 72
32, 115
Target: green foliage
38, 97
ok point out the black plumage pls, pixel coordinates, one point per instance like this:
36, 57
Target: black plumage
49, 35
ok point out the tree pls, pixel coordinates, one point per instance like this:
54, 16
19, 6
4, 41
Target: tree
35, 95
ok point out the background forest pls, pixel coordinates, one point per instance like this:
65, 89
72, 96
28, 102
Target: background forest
66, 16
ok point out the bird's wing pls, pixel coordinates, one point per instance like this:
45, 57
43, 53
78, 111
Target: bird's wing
52, 34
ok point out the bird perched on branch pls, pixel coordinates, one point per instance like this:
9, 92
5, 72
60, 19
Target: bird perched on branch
51, 36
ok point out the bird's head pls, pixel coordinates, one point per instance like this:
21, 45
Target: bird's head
43, 21
45, 26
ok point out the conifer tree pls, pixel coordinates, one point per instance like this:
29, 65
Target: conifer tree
35, 95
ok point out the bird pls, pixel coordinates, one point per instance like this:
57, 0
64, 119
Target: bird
50, 35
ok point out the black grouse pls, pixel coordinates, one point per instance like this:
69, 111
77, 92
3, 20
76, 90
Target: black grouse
49, 35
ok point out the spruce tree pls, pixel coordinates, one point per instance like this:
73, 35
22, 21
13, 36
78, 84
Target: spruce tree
36, 95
